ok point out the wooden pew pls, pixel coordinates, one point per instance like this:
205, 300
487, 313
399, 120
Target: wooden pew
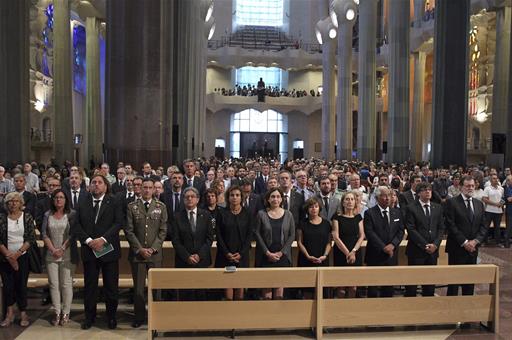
320, 312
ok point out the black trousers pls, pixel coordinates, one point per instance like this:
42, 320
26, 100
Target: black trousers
382, 291
15, 282
426, 290
496, 222
453, 259
110, 273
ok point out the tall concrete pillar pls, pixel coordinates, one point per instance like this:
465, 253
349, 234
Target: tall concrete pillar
14, 82
93, 121
501, 84
62, 85
328, 98
398, 97
418, 134
367, 117
450, 99
134, 120
344, 121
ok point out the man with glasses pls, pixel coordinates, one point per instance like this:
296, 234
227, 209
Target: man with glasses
119, 185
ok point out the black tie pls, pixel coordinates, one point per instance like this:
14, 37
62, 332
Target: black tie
130, 195
386, 220
471, 214
192, 221
326, 205
285, 202
96, 209
146, 205
176, 201
190, 183
427, 212
75, 198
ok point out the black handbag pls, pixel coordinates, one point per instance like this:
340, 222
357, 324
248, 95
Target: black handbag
35, 261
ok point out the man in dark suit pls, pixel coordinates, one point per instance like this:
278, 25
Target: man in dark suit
174, 199
250, 201
329, 204
98, 221
75, 192
28, 197
466, 226
44, 202
292, 200
192, 237
145, 231
73, 170
190, 179
409, 196
425, 228
147, 172
261, 181
384, 229
120, 184
132, 193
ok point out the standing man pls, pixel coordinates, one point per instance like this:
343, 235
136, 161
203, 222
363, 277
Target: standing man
75, 192
31, 179
147, 172
97, 225
508, 209
190, 179
410, 196
145, 230
192, 237
120, 183
29, 197
174, 199
493, 199
467, 229
261, 181
425, 227
250, 201
384, 230
105, 171
301, 185
292, 200
329, 204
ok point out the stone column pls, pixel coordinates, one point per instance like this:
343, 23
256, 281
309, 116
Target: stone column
328, 98
93, 121
344, 121
500, 113
135, 123
14, 82
419, 11
62, 85
508, 151
417, 136
398, 97
450, 99
366, 123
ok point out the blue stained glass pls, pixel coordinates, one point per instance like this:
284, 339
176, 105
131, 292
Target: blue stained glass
79, 76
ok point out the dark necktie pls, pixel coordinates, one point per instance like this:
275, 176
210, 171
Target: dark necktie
190, 183
386, 220
427, 212
96, 209
285, 202
176, 201
326, 205
471, 214
192, 221
130, 195
75, 198
146, 205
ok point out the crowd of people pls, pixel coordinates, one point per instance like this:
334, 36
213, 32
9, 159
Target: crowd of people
328, 208
270, 91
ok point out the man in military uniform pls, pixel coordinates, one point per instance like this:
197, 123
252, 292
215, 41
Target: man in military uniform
145, 230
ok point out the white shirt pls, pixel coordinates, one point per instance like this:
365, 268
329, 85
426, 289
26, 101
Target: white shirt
89, 239
495, 195
16, 230
382, 212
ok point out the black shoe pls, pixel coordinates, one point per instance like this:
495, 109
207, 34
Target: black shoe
112, 324
136, 324
86, 324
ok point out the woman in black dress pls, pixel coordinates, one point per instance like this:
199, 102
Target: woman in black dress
348, 234
313, 240
234, 233
275, 233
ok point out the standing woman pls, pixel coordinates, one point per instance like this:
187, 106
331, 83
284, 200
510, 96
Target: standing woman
234, 234
313, 240
275, 232
348, 234
62, 255
219, 187
16, 236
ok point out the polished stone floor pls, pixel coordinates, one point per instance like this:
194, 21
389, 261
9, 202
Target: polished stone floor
41, 329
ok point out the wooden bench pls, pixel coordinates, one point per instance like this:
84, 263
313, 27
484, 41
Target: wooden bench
319, 312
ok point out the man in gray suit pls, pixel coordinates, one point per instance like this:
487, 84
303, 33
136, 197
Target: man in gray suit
329, 203
145, 231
